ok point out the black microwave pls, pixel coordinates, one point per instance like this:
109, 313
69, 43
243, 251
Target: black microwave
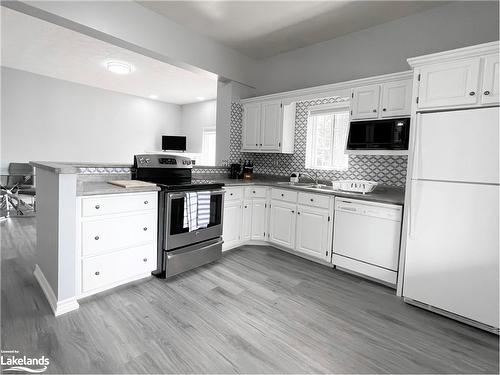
389, 134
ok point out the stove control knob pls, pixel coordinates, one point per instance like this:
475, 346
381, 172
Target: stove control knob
141, 160
148, 160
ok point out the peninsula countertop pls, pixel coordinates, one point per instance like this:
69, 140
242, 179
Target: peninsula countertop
102, 187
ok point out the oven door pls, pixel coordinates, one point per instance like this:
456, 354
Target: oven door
176, 235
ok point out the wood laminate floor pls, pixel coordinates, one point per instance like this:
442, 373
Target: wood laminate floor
258, 310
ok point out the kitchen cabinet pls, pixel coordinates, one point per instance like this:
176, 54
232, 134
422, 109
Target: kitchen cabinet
446, 84
396, 99
259, 219
232, 228
247, 221
390, 99
268, 126
282, 223
365, 102
116, 240
251, 127
490, 92
313, 235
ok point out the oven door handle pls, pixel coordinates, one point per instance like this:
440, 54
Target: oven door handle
183, 194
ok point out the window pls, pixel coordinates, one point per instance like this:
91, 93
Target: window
208, 147
327, 128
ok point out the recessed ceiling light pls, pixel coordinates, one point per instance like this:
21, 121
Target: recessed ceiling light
200, 98
119, 67
153, 96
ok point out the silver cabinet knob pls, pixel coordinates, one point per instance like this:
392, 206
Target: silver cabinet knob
282, 195
298, 213
312, 200
97, 206
293, 211
384, 109
253, 192
472, 93
246, 206
486, 92
145, 260
145, 228
230, 193
256, 144
96, 238
97, 273
146, 202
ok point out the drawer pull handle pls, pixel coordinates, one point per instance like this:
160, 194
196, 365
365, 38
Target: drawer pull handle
231, 194
254, 191
146, 202
96, 238
293, 211
97, 273
298, 213
472, 93
145, 228
97, 206
145, 260
282, 195
312, 200
486, 92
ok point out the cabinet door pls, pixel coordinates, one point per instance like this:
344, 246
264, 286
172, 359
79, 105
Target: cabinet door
449, 84
247, 221
282, 225
251, 127
231, 230
396, 99
365, 102
490, 91
312, 232
270, 131
258, 219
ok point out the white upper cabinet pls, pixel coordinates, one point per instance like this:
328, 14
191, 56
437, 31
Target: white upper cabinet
251, 127
268, 126
271, 126
365, 102
449, 84
390, 99
490, 91
396, 99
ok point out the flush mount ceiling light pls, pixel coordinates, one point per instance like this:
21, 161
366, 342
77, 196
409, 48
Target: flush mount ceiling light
153, 96
119, 67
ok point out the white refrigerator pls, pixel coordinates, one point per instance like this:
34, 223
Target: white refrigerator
452, 251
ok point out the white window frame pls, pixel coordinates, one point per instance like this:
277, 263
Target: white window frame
333, 107
210, 129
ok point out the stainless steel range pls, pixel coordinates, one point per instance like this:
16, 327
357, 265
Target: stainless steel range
180, 249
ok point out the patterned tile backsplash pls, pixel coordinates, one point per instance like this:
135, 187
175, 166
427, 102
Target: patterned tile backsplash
385, 169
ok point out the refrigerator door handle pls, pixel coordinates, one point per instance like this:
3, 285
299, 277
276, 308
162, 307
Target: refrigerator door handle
411, 215
415, 147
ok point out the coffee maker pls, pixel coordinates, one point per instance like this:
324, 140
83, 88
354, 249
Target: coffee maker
235, 171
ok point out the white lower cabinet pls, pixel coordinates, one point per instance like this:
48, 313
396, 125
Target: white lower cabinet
259, 219
282, 223
232, 228
313, 232
247, 221
117, 244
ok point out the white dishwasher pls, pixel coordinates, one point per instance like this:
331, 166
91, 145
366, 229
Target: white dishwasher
366, 238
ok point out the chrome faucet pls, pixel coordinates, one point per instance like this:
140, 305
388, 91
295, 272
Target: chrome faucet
315, 178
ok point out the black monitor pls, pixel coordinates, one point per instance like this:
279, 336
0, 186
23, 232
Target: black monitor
173, 143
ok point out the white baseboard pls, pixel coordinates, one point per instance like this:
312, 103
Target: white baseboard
58, 307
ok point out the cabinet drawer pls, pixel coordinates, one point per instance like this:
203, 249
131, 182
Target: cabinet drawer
255, 192
97, 272
284, 195
120, 203
315, 200
234, 193
103, 236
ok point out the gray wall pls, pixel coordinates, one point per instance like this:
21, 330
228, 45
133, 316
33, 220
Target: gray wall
49, 119
383, 48
195, 117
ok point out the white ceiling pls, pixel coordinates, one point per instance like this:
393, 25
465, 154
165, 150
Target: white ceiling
41, 47
262, 29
